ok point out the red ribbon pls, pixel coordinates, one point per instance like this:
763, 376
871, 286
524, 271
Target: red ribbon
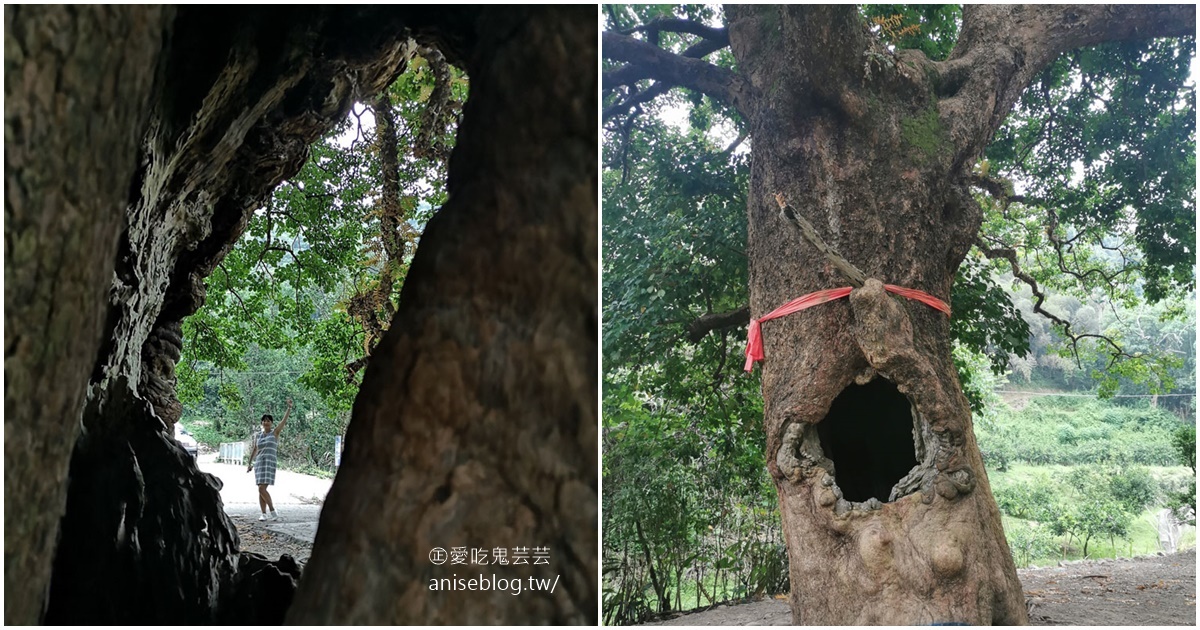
754, 344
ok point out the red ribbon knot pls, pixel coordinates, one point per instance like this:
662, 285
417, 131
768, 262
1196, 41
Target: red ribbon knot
754, 344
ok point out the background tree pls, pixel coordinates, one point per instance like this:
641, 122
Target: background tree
873, 126
318, 271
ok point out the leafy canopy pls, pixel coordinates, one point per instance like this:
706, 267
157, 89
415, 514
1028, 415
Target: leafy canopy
311, 250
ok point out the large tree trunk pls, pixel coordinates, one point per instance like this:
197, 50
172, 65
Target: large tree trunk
66, 178
224, 102
885, 501
884, 498
475, 427
238, 97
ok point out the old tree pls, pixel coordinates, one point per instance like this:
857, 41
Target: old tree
138, 142
873, 131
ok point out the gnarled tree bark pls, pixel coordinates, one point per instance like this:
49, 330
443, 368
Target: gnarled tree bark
885, 502
476, 422
66, 177
224, 102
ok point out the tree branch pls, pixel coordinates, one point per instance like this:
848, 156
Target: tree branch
630, 74
1002, 48
998, 188
678, 25
1059, 244
709, 322
1009, 254
719, 83
635, 100
857, 278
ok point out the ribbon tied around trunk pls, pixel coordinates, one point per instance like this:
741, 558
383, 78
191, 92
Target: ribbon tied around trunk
754, 344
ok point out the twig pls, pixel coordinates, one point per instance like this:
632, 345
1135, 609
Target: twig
1009, 254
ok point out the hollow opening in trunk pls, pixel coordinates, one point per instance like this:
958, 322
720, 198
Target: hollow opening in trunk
868, 435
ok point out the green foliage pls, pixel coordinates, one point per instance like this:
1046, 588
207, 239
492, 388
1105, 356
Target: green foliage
1159, 338
930, 28
1125, 122
1183, 502
1032, 500
275, 321
1068, 431
1092, 488
684, 495
334, 343
682, 425
1028, 541
1132, 487
1184, 442
985, 320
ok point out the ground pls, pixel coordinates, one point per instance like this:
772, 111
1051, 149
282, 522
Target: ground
297, 498
1145, 591
1150, 590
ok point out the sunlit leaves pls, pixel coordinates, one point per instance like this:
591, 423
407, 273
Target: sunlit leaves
317, 241
930, 28
1105, 138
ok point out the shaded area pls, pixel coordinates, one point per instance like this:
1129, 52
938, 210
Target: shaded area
868, 434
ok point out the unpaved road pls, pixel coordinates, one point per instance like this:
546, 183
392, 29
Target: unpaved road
1146, 591
297, 498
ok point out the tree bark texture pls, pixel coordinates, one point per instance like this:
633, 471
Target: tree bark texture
137, 142
77, 83
874, 149
241, 93
475, 426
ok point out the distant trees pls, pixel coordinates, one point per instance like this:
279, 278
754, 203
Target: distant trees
318, 271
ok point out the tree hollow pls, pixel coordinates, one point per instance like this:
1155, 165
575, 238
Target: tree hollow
868, 435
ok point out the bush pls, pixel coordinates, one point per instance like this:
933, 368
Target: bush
1133, 487
1032, 501
1184, 502
1029, 541
1070, 431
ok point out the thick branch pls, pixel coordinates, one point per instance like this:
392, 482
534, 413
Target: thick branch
717, 82
717, 321
1001, 48
626, 75
677, 25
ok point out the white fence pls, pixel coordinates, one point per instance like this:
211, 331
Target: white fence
235, 452
232, 452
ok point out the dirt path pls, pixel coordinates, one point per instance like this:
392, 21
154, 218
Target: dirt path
1146, 591
297, 499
